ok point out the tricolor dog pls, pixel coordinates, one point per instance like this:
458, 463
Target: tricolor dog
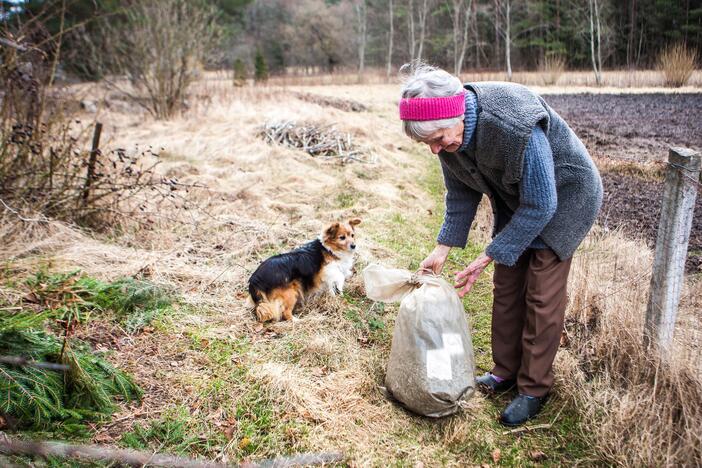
283, 281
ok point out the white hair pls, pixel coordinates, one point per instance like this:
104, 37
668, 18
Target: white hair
424, 80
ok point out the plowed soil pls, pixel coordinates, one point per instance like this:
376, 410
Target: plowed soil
636, 128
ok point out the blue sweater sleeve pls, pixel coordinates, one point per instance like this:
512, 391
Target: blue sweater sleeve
537, 202
461, 205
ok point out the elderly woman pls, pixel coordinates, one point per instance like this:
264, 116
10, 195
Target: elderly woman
502, 140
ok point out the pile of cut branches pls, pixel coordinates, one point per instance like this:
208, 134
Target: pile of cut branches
348, 105
319, 140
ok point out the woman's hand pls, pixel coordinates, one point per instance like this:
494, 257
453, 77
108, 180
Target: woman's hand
436, 259
466, 278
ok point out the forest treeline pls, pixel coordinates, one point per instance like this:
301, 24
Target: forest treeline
332, 35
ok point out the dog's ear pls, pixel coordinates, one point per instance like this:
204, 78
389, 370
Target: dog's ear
331, 230
354, 222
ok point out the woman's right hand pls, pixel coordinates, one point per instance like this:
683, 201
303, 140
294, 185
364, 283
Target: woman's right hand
436, 259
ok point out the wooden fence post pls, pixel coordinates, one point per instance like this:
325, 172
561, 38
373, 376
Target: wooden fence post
679, 194
94, 150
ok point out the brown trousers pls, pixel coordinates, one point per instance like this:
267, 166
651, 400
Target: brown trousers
527, 319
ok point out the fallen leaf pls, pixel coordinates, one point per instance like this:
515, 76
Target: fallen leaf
229, 432
496, 454
258, 327
31, 297
103, 438
537, 455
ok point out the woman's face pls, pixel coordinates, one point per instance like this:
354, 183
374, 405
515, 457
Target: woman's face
447, 139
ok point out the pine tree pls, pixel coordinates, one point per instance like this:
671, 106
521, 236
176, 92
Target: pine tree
239, 73
260, 66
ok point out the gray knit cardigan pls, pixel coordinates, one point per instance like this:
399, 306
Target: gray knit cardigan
492, 164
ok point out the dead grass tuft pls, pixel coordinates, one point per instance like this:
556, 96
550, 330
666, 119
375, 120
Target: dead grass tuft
677, 62
640, 410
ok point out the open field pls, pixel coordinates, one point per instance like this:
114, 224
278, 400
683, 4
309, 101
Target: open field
219, 385
617, 81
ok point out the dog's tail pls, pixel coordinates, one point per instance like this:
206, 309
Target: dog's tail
266, 310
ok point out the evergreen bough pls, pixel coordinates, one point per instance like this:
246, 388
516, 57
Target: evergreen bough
91, 386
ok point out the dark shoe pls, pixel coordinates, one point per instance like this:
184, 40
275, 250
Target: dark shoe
488, 385
521, 409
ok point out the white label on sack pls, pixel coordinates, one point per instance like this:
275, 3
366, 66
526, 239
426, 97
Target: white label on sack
439, 364
453, 343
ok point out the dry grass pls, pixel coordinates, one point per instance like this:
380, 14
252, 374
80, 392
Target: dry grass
677, 62
549, 74
312, 385
641, 410
551, 68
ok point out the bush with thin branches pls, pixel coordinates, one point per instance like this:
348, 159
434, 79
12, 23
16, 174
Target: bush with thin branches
46, 165
551, 68
677, 62
159, 47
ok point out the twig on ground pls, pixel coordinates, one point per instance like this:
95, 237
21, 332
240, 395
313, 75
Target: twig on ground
41, 219
12, 446
22, 361
527, 429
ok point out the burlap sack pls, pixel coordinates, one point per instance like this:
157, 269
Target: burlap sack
431, 366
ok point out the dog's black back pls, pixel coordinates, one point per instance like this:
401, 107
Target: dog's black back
301, 264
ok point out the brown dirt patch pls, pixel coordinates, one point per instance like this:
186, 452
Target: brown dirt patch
639, 128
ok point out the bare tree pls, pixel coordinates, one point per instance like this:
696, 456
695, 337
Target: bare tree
410, 28
159, 48
461, 21
595, 44
391, 35
422, 17
503, 27
631, 35
476, 38
362, 27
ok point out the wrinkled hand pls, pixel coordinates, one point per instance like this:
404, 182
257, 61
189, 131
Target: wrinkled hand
436, 259
466, 278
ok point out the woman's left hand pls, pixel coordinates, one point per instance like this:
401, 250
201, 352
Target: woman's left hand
466, 278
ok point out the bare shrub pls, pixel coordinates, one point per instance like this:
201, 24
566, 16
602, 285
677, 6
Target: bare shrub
45, 164
551, 68
160, 48
677, 62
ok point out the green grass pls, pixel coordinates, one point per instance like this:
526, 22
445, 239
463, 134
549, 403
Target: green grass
76, 297
258, 426
564, 442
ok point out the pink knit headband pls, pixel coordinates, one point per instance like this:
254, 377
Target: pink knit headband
433, 108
